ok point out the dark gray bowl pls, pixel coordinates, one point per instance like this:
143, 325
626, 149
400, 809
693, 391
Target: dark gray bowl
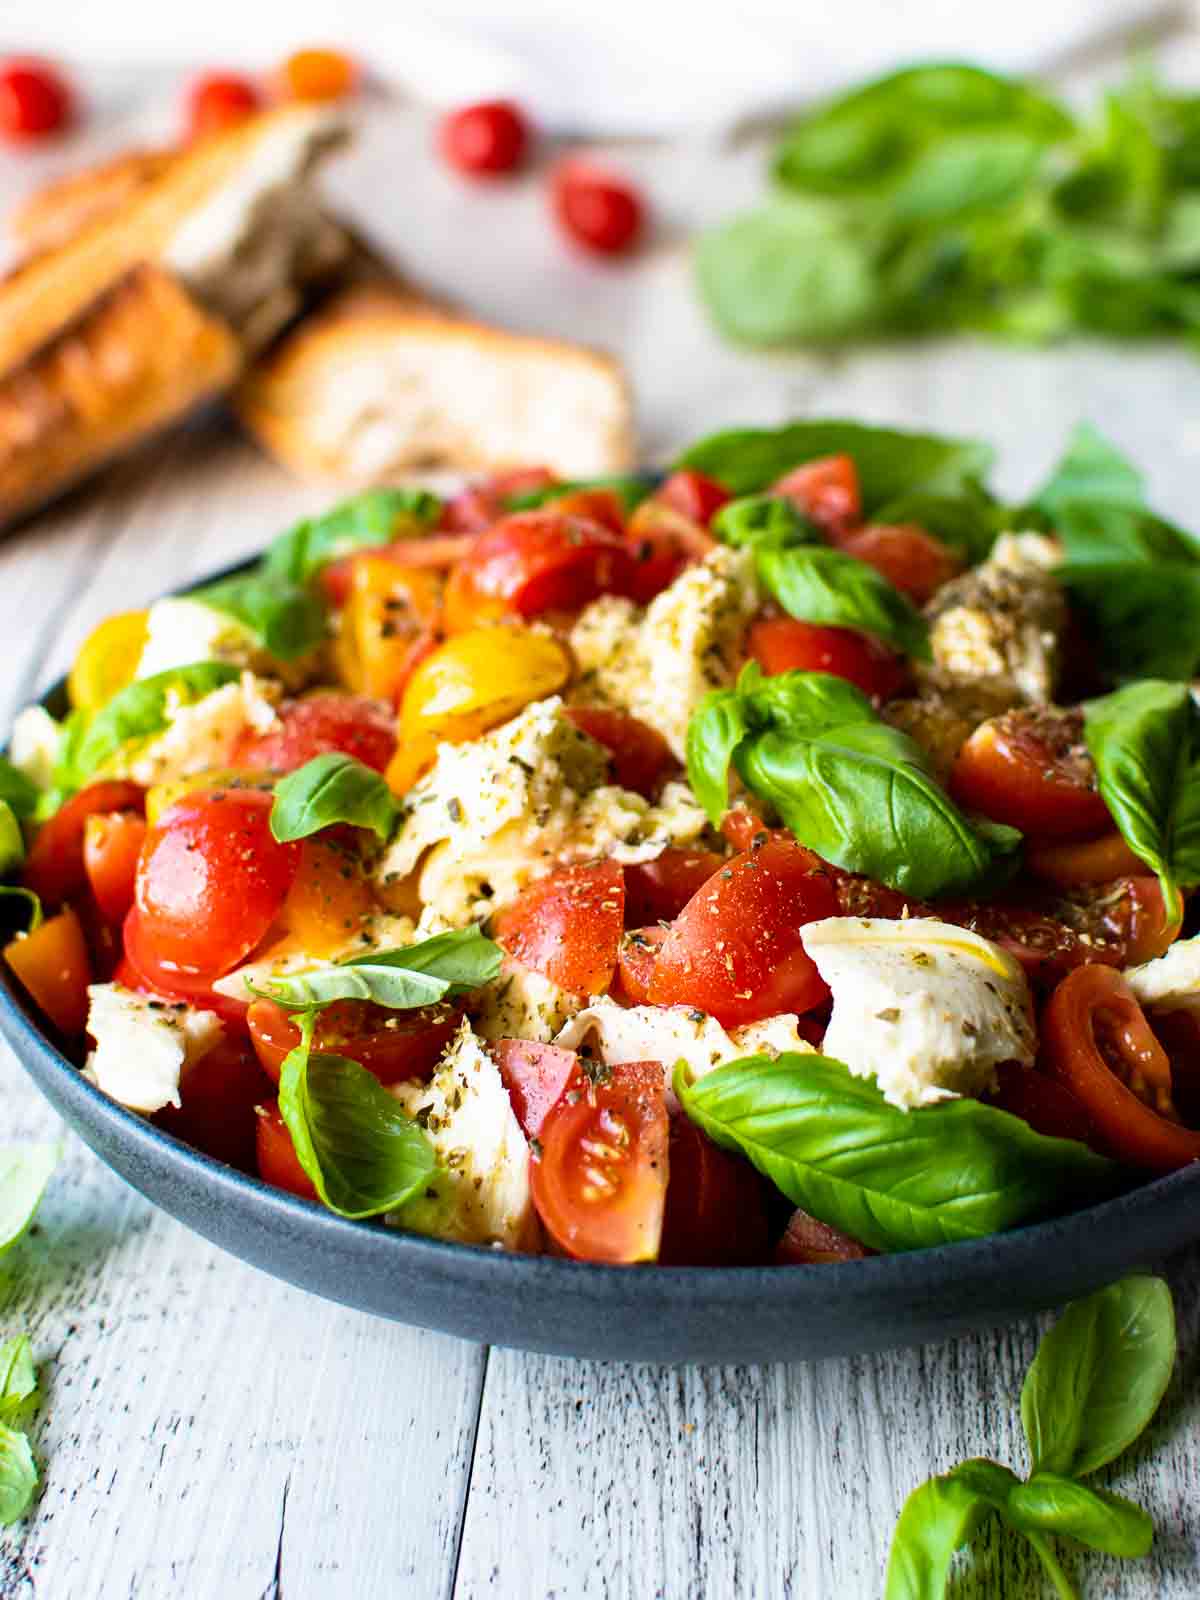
668, 1314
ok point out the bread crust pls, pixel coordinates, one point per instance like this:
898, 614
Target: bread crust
59, 210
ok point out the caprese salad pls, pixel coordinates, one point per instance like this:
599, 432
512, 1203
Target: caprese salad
784, 859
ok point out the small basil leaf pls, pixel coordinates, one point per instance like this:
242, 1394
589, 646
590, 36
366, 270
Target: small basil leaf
368, 520
1091, 469
135, 712
893, 1179
24, 1173
715, 730
328, 789
12, 840
286, 620
18, 1475
18, 1378
768, 520
1049, 1503
1098, 1377
461, 957
18, 792
940, 1517
403, 980
826, 586
631, 489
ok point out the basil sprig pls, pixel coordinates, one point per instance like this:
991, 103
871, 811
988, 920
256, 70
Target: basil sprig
24, 1173
285, 620
893, 1179
403, 979
817, 584
332, 788
18, 1398
1094, 1386
850, 787
362, 523
135, 712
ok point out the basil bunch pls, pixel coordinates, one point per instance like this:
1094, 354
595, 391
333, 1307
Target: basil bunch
332, 788
1095, 1383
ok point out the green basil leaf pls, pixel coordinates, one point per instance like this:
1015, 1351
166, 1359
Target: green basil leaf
461, 957
1092, 469
941, 1517
820, 585
630, 488
1052, 1504
764, 520
24, 1173
895, 1180
18, 1377
18, 792
715, 730
368, 520
1145, 741
328, 789
1098, 1377
135, 712
970, 171
12, 840
18, 1475
286, 620
403, 980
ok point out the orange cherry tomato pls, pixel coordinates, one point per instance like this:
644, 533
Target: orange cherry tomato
389, 622
35, 100
826, 490
536, 561
112, 842
318, 75
484, 139
393, 1045
52, 963
218, 1096
604, 506
807, 1242
55, 868
536, 1077
352, 724
1094, 861
693, 495
1031, 769
220, 100
785, 644
664, 541
330, 898
658, 890
714, 1214
912, 560
568, 926
635, 963
641, 757
599, 1183
275, 1153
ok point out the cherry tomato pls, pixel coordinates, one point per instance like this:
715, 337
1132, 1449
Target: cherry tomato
484, 139
599, 1184
714, 1214
536, 1077
1047, 1105
657, 891
35, 100
1129, 911
742, 827
1096, 1040
604, 506
826, 490
635, 963
595, 207
275, 1153
470, 512
1094, 861
390, 616
1031, 769
211, 880
393, 1045
641, 757
218, 1095
220, 100
52, 963
912, 560
693, 495
785, 644
112, 841
516, 481
349, 723
735, 949
318, 75
139, 970
536, 561
664, 542
568, 926
807, 1242
54, 868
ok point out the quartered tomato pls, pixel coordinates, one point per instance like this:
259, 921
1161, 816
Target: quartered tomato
275, 1153
536, 561
735, 949
112, 842
785, 644
600, 1181
1031, 769
807, 1242
826, 490
641, 757
218, 1095
55, 868
1092, 861
1095, 1039
393, 1045
664, 541
912, 560
658, 890
694, 495
536, 1077
568, 926
714, 1214
52, 963
348, 723
635, 963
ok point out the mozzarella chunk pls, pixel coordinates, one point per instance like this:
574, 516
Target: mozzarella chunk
34, 744
180, 630
287, 956
481, 1193
522, 1004
200, 736
687, 642
1172, 981
926, 1009
502, 810
144, 1045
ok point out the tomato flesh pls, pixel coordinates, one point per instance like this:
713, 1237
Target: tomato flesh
1031, 769
635, 963
1047, 1105
826, 490
275, 1154
785, 644
912, 560
808, 1242
218, 1095
1092, 861
53, 964
657, 891
484, 139
536, 561
536, 1077
714, 1214
393, 1045
693, 495
112, 842
350, 724
664, 541
568, 926
54, 868
640, 757
139, 970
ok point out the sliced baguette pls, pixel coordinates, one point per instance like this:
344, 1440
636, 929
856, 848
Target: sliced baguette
59, 210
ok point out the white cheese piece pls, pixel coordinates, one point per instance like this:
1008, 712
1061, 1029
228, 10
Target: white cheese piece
286, 956
522, 1004
481, 1193
1172, 981
180, 631
33, 745
144, 1044
201, 736
926, 1009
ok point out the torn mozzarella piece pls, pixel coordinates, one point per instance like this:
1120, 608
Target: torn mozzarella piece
34, 744
144, 1044
200, 736
1171, 982
522, 1004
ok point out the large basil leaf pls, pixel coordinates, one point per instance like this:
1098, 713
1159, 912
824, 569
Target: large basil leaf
940, 1517
286, 620
1052, 1504
135, 712
715, 731
1091, 469
403, 980
826, 586
331, 788
1099, 1376
764, 521
18, 1475
24, 1173
893, 1179
368, 520
17, 791
1145, 742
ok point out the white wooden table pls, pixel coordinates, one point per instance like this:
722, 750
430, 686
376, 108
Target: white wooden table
211, 1432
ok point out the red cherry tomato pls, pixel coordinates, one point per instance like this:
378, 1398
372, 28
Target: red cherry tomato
218, 1095
536, 561
1047, 1105
54, 868
641, 757
599, 1184
664, 541
484, 139
1031, 769
536, 1077
604, 506
595, 207
657, 891
909, 558
785, 644
349, 723
635, 963
1096, 1040
735, 949
35, 100
470, 512
742, 827
112, 842
826, 490
393, 1045
1094, 861
276, 1156
693, 495
220, 100
568, 926
211, 880
807, 1242
517, 481
714, 1214
139, 970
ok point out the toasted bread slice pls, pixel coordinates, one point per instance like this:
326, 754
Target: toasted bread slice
55, 213
379, 381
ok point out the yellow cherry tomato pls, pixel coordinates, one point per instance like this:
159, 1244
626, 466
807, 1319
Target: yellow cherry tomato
329, 900
162, 795
388, 612
473, 682
107, 660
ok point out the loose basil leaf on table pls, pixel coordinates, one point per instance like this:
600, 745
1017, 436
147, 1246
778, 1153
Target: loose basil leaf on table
892, 1179
362, 523
286, 620
24, 1173
764, 521
630, 488
404, 979
135, 712
816, 584
18, 1376
18, 1475
17, 791
332, 788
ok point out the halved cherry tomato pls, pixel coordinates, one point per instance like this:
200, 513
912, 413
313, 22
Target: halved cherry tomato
1096, 1040
220, 100
735, 949
635, 963
641, 757
808, 1242
694, 495
112, 841
536, 561
327, 721
1031, 769
742, 827
330, 898
600, 1181
211, 880
107, 659
568, 926
1094, 861
484, 139
536, 1077
596, 207
389, 609
604, 506
714, 1214
35, 100
470, 512
54, 869
657, 891
52, 963
664, 541
138, 970
275, 1153
827, 490
912, 560
393, 1045
785, 644
318, 75
218, 1095
1047, 1105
